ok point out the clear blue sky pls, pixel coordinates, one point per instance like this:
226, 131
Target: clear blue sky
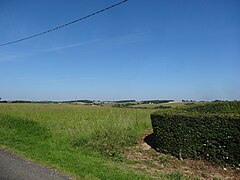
144, 49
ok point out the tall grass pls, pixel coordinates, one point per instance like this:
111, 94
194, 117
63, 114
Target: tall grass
76, 139
104, 129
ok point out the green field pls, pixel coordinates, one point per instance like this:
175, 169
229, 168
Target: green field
83, 141
141, 105
155, 106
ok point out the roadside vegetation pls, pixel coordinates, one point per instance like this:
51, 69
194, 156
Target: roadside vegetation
97, 142
83, 141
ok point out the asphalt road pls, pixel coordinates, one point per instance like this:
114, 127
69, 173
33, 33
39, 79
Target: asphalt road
13, 167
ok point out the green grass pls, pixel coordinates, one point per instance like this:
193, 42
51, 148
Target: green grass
86, 142
169, 104
231, 107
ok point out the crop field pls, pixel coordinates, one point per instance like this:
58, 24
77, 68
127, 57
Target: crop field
83, 141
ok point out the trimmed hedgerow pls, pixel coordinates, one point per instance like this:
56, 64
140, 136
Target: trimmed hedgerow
230, 107
215, 138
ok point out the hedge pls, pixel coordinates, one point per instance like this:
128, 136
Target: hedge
215, 138
231, 107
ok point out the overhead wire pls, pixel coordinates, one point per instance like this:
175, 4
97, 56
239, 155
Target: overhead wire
64, 25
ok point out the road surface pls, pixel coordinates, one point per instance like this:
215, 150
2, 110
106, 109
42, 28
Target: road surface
13, 167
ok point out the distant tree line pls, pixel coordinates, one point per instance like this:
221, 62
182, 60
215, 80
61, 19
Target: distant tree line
3, 101
76, 101
124, 101
123, 105
20, 101
156, 101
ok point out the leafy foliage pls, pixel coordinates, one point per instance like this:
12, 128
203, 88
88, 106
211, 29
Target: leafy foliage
192, 133
231, 107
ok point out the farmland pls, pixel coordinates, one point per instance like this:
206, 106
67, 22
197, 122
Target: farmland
83, 141
86, 142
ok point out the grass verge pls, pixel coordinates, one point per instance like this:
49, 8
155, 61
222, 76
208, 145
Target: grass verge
85, 142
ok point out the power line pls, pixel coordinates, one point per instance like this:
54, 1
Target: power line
64, 25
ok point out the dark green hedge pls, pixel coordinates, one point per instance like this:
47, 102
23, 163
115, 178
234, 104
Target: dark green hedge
231, 107
212, 137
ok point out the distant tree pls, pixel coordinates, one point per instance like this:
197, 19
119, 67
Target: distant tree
156, 101
125, 101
